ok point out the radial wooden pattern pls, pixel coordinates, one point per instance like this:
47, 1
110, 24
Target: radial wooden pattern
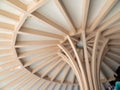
38, 53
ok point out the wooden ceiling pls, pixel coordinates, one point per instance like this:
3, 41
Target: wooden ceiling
39, 44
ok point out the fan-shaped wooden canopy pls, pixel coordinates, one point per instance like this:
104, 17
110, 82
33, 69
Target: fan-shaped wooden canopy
59, 44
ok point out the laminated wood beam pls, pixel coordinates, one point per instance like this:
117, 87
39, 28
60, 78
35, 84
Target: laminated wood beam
36, 51
87, 65
39, 58
65, 14
112, 30
18, 4
36, 43
7, 26
9, 15
94, 61
105, 25
103, 12
40, 33
85, 11
5, 36
73, 64
53, 24
80, 64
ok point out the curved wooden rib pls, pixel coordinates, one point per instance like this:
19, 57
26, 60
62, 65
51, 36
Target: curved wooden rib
88, 70
94, 61
80, 63
99, 60
74, 66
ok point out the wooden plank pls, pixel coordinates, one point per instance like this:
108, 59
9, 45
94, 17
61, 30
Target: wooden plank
40, 33
45, 64
7, 26
36, 43
65, 14
39, 58
53, 24
103, 12
18, 4
9, 15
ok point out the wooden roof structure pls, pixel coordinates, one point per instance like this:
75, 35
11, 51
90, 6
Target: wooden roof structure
59, 44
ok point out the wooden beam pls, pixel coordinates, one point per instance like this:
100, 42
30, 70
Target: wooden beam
94, 61
114, 36
5, 36
99, 60
112, 30
49, 22
80, 63
45, 64
103, 12
74, 66
36, 4
87, 65
105, 25
36, 51
36, 43
9, 15
114, 42
85, 11
39, 58
5, 52
18, 4
65, 14
51, 67
40, 33
7, 26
